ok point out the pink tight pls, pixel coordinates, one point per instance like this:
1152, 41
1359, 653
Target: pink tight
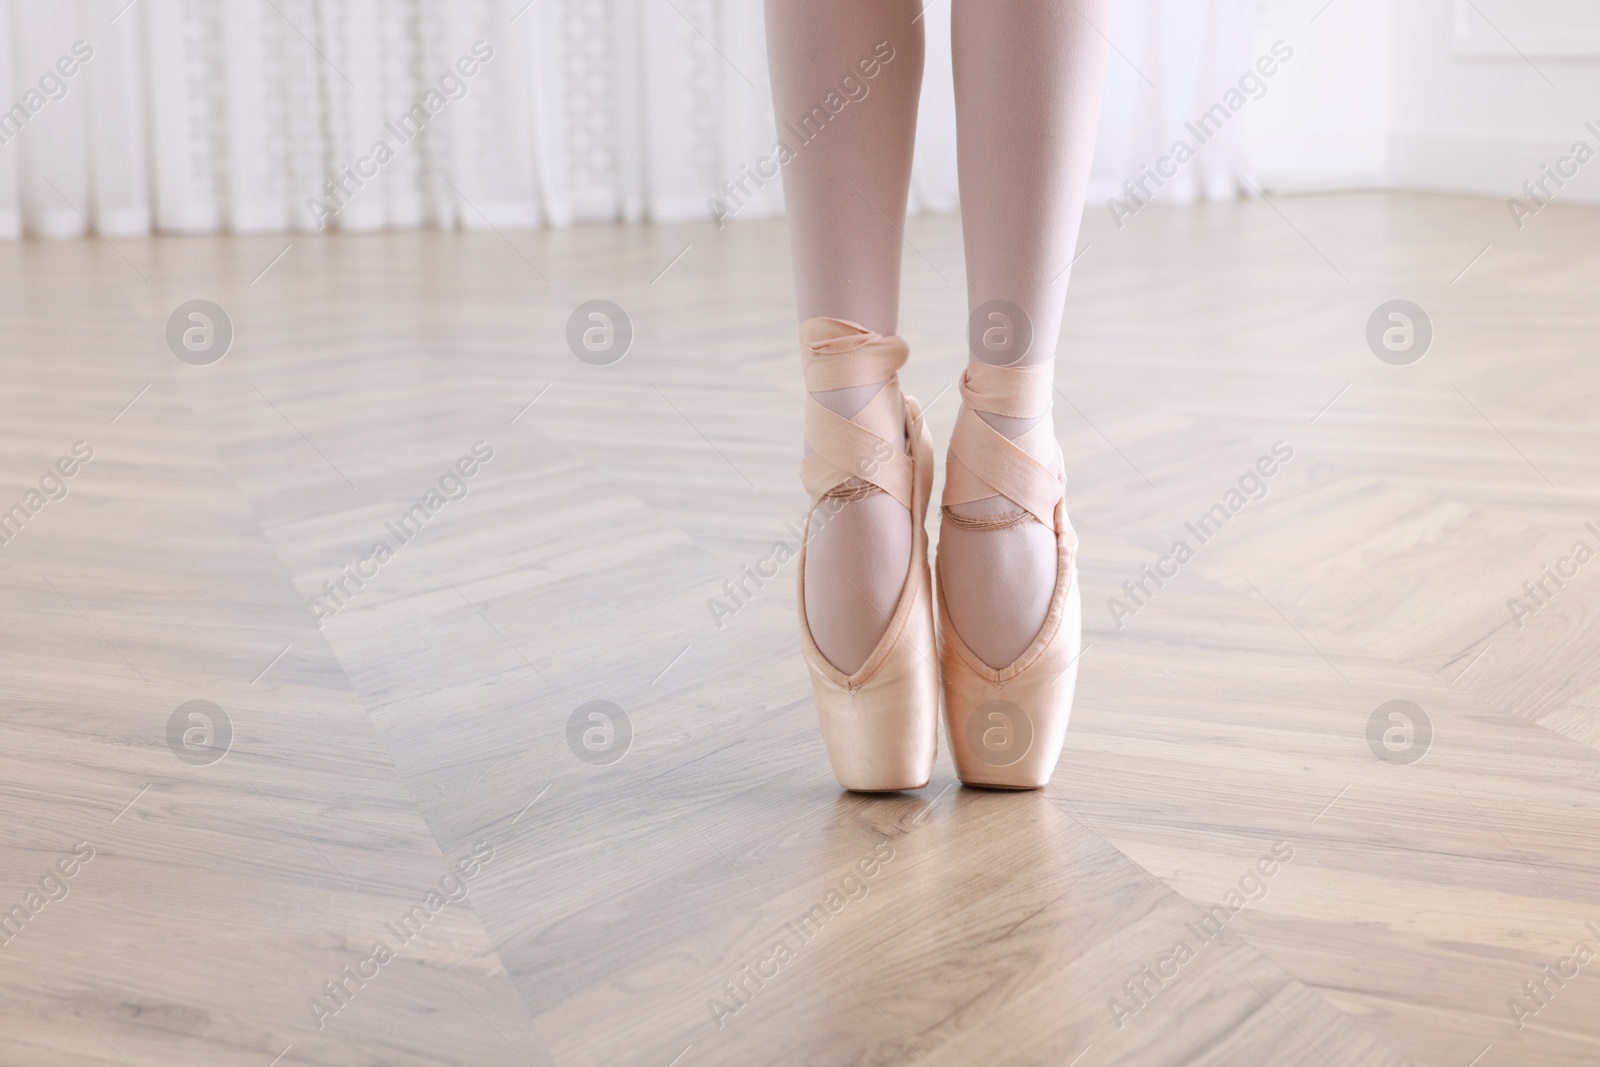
1028, 75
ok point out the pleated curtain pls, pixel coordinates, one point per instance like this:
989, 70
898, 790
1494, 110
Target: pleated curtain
248, 116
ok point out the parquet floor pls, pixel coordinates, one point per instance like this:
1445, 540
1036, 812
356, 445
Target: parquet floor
410, 851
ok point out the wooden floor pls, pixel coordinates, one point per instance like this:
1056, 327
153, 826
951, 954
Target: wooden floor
629, 910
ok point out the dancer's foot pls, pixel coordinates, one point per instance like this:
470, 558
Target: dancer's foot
860, 536
998, 564
1006, 709
866, 606
859, 550
997, 561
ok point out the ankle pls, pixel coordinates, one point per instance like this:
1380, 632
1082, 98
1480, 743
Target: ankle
886, 420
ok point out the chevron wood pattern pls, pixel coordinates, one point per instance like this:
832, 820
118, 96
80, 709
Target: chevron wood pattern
395, 832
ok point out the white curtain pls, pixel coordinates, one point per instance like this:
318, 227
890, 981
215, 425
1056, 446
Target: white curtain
1172, 62
250, 116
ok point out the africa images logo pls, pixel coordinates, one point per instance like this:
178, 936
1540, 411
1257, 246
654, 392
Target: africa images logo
999, 733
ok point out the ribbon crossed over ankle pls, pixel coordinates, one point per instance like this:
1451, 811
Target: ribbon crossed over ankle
837, 354
984, 462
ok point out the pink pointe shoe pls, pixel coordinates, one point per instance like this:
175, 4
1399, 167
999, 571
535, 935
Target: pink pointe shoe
880, 724
1007, 726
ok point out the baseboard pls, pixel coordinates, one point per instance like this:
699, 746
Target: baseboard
1311, 163
1495, 165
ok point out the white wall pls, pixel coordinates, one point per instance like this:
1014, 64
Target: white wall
1328, 121
1431, 94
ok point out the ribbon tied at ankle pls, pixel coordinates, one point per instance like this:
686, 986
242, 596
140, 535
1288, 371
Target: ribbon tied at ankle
868, 446
984, 462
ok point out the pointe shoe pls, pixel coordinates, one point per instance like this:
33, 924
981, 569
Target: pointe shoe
1007, 726
880, 724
